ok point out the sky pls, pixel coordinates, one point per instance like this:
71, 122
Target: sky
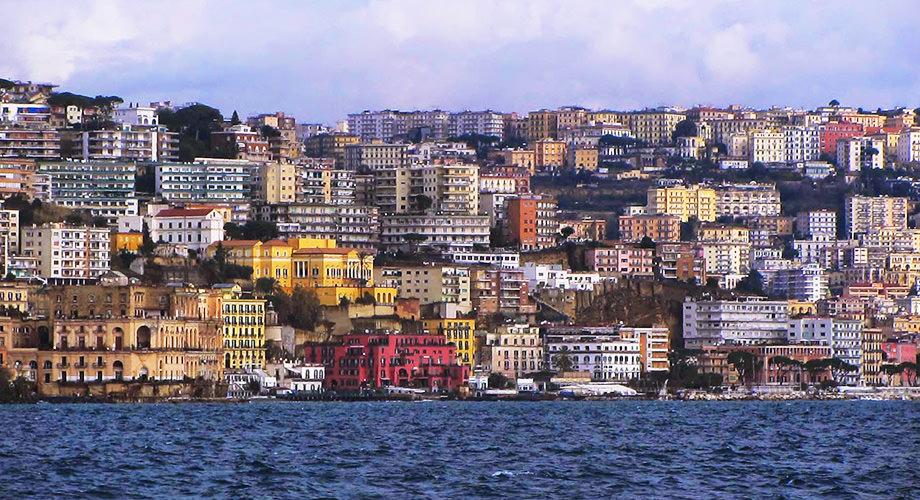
320, 61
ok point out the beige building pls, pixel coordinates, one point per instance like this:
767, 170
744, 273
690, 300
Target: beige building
276, 183
766, 146
429, 284
684, 202
67, 254
633, 228
512, 350
868, 214
451, 187
857, 153
746, 200
654, 127
582, 158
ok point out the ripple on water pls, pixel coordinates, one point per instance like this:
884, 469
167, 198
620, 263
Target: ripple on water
471, 450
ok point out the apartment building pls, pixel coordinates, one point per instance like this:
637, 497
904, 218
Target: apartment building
766, 146
430, 284
816, 224
276, 183
194, 228
745, 200
532, 222
488, 123
857, 153
655, 128
104, 188
843, 336
723, 233
608, 358
680, 261
658, 228
549, 155
502, 290
17, 176
449, 187
684, 202
242, 320
35, 143
831, 132
512, 350
65, 254
451, 232
868, 214
807, 282
329, 145
744, 321
205, 181
320, 183
803, 143
130, 142
241, 142
621, 259
353, 226
522, 158
908, 145
542, 124
458, 331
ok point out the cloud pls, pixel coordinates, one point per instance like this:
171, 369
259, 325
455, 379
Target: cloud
322, 60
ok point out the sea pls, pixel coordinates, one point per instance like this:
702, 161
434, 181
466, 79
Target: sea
559, 449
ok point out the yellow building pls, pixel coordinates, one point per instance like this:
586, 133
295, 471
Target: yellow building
460, 332
131, 242
543, 124
583, 158
277, 183
15, 296
328, 267
724, 233
549, 154
524, 158
684, 202
243, 328
271, 259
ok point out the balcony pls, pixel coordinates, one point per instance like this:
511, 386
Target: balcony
62, 365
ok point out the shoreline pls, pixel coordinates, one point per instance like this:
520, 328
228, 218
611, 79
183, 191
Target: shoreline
907, 394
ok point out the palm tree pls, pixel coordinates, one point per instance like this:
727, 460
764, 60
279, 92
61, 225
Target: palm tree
890, 370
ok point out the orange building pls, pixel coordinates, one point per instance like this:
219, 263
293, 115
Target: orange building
532, 222
657, 227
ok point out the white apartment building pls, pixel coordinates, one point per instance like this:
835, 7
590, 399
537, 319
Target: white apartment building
806, 282
134, 114
555, 276
195, 228
104, 188
500, 259
352, 226
766, 146
844, 337
743, 321
857, 153
204, 181
867, 214
606, 357
66, 254
443, 231
816, 224
131, 142
909, 145
802, 143
486, 122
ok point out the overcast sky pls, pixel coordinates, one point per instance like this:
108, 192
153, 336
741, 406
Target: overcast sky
320, 61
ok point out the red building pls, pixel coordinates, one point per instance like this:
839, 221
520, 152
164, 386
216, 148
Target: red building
899, 351
377, 360
832, 132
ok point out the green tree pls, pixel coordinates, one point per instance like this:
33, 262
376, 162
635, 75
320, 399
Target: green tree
563, 362
306, 310
745, 363
784, 365
684, 128
565, 232
834, 102
752, 283
235, 118
647, 242
266, 286
423, 203
498, 381
194, 124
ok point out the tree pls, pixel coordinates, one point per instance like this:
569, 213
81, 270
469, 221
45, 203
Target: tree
834, 102
745, 363
563, 362
253, 387
839, 367
685, 128
269, 132
647, 242
235, 118
814, 367
423, 203
194, 124
784, 365
266, 286
565, 232
498, 381
233, 231
305, 310
752, 283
